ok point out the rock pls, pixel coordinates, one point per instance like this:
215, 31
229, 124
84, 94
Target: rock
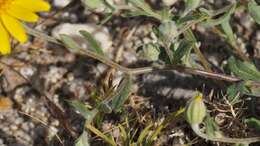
27, 71
54, 74
101, 34
169, 2
5, 104
61, 3
258, 35
129, 57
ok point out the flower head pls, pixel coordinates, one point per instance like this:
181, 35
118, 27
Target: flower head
196, 110
11, 13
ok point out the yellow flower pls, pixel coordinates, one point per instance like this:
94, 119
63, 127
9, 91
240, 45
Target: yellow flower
11, 11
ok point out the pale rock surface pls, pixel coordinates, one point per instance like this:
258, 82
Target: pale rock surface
100, 33
61, 3
169, 2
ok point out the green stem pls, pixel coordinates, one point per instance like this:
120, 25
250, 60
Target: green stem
196, 129
136, 71
235, 49
144, 70
190, 36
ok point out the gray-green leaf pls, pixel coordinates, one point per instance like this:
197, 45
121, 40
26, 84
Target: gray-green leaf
82, 140
70, 43
212, 129
228, 31
254, 10
223, 19
168, 31
190, 5
253, 122
244, 70
82, 109
142, 8
93, 4
182, 50
122, 93
150, 52
94, 45
235, 91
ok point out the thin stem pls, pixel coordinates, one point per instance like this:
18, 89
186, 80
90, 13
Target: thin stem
104, 60
138, 71
168, 52
185, 28
202, 58
196, 129
123, 7
217, 12
33, 117
41, 35
190, 36
144, 70
234, 45
238, 51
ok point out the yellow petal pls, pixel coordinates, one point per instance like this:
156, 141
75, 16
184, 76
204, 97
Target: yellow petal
22, 13
5, 47
33, 5
14, 27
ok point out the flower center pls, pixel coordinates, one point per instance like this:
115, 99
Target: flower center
4, 5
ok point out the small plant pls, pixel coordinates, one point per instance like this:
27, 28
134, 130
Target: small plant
174, 49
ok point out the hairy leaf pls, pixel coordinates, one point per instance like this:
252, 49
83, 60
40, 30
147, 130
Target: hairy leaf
235, 91
82, 140
182, 50
142, 8
212, 129
70, 43
254, 10
222, 19
190, 5
82, 109
150, 52
94, 45
253, 122
122, 93
244, 70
